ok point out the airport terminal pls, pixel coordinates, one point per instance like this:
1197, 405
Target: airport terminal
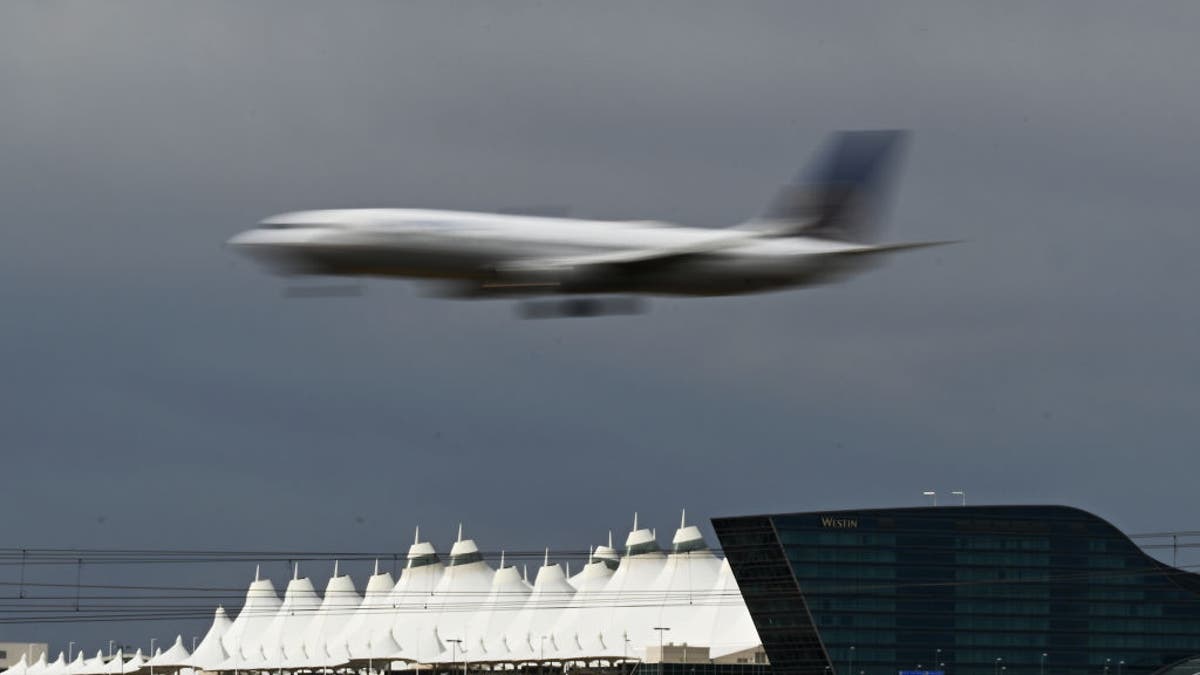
979, 590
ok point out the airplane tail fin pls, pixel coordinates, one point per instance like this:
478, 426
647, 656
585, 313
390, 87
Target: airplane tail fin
839, 196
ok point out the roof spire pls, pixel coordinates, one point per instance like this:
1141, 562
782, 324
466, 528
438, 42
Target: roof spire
256, 571
501, 559
683, 519
417, 536
635, 527
377, 566
335, 567
610, 538
459, 533
295, 570
568, 568
546, 560
525, 572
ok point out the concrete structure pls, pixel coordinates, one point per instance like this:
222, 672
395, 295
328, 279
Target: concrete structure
11, 652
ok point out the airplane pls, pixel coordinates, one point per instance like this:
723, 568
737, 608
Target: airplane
818, 230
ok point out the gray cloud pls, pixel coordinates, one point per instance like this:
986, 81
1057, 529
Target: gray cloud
156, 382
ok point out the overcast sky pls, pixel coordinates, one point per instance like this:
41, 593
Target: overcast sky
159, 392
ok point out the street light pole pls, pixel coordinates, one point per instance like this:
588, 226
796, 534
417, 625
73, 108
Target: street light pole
937, 657
850, 668
453, 646
1042, 665
996, 668
962, 494
661, 660
931, 493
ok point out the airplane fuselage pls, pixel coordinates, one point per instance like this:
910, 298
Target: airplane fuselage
498, 254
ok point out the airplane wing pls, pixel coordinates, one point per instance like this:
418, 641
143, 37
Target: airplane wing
631, 257
888, 248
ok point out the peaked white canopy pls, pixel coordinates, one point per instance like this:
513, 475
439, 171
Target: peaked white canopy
685, 583
358, 640
413, 610
551, 596
583, 614
94, 665
38, 667
338, 607
283, 640
76, 666
489, 624
176, 656
210, 653
466, 611
626, 623
243, 640
21, 667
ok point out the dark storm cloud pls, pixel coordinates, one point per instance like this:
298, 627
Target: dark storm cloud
159, 392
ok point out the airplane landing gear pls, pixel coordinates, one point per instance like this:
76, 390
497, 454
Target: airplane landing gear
580, 307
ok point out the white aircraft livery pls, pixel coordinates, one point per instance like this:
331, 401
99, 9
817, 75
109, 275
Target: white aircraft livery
819, 229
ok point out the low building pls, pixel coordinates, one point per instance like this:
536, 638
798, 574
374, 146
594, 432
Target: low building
11, 652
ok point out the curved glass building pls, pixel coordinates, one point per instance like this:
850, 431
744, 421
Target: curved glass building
988, 590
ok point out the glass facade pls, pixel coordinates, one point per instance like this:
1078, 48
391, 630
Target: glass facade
1003, 590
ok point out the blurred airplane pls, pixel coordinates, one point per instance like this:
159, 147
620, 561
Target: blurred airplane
817, 230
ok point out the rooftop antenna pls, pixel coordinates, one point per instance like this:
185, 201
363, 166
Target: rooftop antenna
459, 533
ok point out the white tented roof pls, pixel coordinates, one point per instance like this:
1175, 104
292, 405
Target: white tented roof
94, 665
56, 667
243, 640
685, 583
19, 668
725, 624
338, 607
410, 622
355, 642
210, 653
581, 619
283, 640
38, 667
77, 665
464, 586
625, 625
436, 613
551, 596
489, 624
176, 656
